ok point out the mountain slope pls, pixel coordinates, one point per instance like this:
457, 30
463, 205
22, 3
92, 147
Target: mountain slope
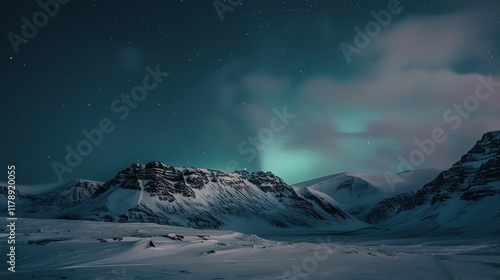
358, 193
462, 198
191, 197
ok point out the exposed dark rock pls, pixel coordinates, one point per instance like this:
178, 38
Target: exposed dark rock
474, 177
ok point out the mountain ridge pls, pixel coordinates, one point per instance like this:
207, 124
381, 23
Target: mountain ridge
206, 198
189, 197
464, 196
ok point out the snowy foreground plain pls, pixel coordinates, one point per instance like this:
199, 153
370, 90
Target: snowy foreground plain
64, 249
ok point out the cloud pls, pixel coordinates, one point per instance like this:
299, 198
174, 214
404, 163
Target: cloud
410, 84
432, 42
248, 98
407, 80
312, 132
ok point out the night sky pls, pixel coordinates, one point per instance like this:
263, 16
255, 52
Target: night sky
263, 86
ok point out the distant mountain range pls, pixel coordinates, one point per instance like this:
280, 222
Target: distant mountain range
464, 197
358, 193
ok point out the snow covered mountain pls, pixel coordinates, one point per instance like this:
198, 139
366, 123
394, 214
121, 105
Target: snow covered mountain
464, 197
189, 197
358, 193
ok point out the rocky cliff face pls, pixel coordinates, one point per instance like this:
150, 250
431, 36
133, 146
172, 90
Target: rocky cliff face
468, 183
191, 197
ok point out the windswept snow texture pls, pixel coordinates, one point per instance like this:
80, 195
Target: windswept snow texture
64, 249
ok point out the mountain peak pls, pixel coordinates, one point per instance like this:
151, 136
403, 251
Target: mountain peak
474, 179
191, 197
491, 134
